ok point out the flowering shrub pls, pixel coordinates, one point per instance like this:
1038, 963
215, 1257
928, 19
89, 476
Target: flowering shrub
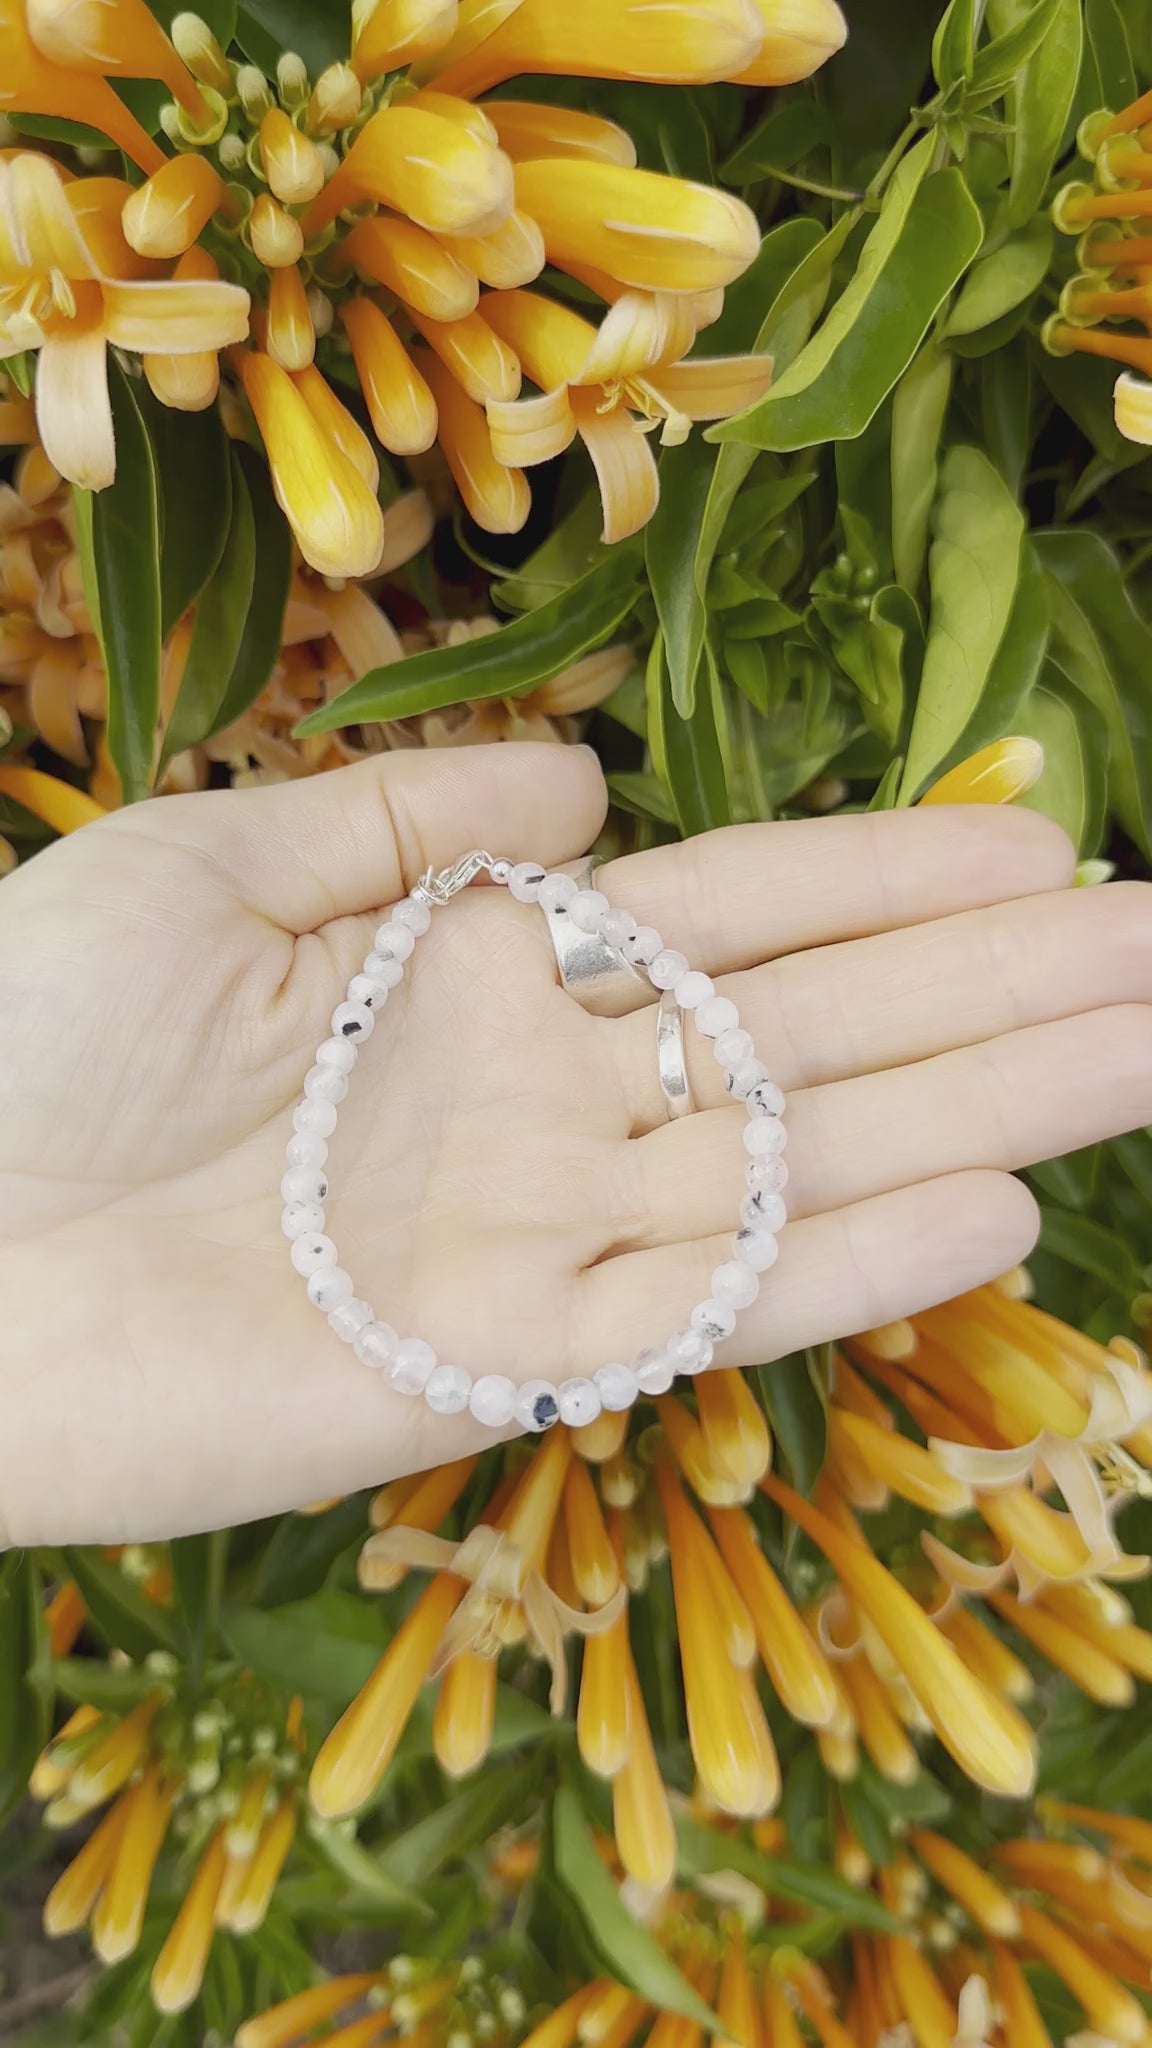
774, 414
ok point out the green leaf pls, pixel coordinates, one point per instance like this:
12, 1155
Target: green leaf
571, 549
198, 1565
928, 232
626, 1949
1000, 61
1091, 1249
974, 569
459, 1824
1019, 660
365, 1872
1073, 788
792, 130
25, 1676
671, 545
194, 480
687, 753
259, 648
1006, 411
221, 618
953, 46
702, 1852
1041, 103
919, 409
318, 30
794, 1392
1111, 53
519, 657
119, 1610
114, 1689
325, 1647
1003, 279
118, 536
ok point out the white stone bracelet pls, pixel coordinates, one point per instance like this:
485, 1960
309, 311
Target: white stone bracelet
408, 1364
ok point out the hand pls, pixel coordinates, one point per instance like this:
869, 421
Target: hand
941, 1006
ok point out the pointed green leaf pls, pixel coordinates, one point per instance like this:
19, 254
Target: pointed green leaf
222, 610
259, 648
118, 536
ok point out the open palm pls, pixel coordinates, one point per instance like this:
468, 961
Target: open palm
941, 1005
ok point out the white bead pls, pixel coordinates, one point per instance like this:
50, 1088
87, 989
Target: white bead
318, 1117
537, 1406
735, 1284
501, 872
395, 940
763, 1210
312, 1253
362, 989
716, 1015
328, 1288
375, 1344
384, 967
579, 1402
412, 1367
765, 1099
325, 1084
767, 1173
665, 970
413, 915
654, 1371
555, 893
347, 1321
587, 908
733, 1046
616, 1386
714, 1319
304, 1184
300, 1218
756, 1247
690, 1351
641, 949
693, 988
764, 1137
616, 926
746, 1075
337, 1052
306, 1149
352, 1021
493, 1398
525, 879
447, 1390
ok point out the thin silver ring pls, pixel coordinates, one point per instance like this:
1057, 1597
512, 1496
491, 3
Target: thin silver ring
591, 970
670, 1062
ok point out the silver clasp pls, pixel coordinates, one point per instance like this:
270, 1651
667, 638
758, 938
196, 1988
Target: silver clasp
440, 889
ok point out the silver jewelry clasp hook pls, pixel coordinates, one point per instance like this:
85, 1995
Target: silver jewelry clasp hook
440, 889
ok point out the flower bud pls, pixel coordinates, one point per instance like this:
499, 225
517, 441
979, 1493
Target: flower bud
335, 100
254, 91
164, 216
292, 163
292, 79
201, 52
291, 337
275, 237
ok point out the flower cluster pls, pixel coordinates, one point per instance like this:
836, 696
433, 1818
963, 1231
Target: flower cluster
1109, 295
440, 2005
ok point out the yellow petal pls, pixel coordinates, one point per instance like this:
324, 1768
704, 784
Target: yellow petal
413, 264
38, 228
497, 497
551, 341
357, 1752
513, 254
641, 1824
275, 236
1097, 1674
985, 1654
331, 509
641, 330
60, 806
985, 1901
996, 775
527, 131
119, 1915
110, 1764
188, 383
650, 231
31, 84
898, 1463
1111, 2009
594, 1564
736, 1435
336, 421
482, 364
465, 1713
713, 387
1132, 402
674, 42
625, 467
431, 169
164, 216
930, 2014
894, 1756
77, 1889
303, 2012
799, 36
175, 316
292, 163
180, 1965
289, 335
335, 101
1022, 2024
604, 1709
792, 1658
400, 403
124, 39
398, 32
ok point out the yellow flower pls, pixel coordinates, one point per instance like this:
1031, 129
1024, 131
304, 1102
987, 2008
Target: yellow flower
57, 803
390, 33
119, 1914
70, 287
180, 1965
642, 228
164, 216
996, 775
686, 42
31, 84
123, 40
330, 505
435, 170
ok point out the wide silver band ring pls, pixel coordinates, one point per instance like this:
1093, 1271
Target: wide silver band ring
591, 970
675, 1086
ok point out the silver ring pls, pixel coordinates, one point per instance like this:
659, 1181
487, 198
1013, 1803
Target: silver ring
674, 1083
591, 970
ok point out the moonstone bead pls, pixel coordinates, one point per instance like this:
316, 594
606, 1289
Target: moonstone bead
306, 1149
616, 1386
537, 1406
579, 1402
304, 1184
767, 1173
384, 966
690, 1351
319, 1117
347, 1321
765, 1137
525, 879
641, 949
415, 916
362, 989
447, 1390
756, 1247
300, 1218
353, 1021
556, 893
765, 1099
666, 969
616, 926
337, 1052
375, 1344
493, 1399
694, 988
735, 1284
732, 1046
587, 908
325, 1084
311, 1253
718, 1014
395, 940
412, 1366
329, 1287
654, 1371
741, 1079
714, 1319
763, 1210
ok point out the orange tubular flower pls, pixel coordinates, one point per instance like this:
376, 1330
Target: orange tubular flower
434, 170
687, 43
640, 227
332, 509
392, 33
124, 40
799, 36
180, 1965
996, 775
495, 492
30, 83
164, 216
415, 265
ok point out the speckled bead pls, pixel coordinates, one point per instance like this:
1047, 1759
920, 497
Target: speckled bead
586, 909
395, 941
301, 1219
312, 1252
714, 1319
329, 1287
537, 1406
580, 1402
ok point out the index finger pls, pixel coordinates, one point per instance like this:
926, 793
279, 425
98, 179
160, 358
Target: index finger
741, 895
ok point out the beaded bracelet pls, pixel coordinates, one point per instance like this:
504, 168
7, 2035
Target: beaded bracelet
409, 1365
